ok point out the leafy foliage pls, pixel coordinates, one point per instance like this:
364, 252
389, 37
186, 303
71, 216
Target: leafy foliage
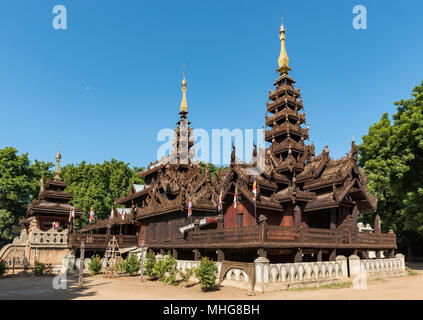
39, 268
98, 185
6, 223
185, 276
165, 270
206, 273
149, 265
95, 264
213, 169
132, 264
392, 155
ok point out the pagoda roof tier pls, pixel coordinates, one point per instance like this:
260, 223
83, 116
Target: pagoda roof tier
283, 114
284, 102
286, 144
284, 87
51, 183
286, 128
50, 208
56, 195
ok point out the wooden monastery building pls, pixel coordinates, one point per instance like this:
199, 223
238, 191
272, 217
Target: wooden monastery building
306, 206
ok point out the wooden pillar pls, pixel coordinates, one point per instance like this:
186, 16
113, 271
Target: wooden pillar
355, 252
196, 225
355, 217
297, 217
298, 255
262, 253
163, 252
332, 256
366, 254
320, 255
377, 224
333, 219
220, 255
392, 253
197, 255
220, 222
175, 254
378, 254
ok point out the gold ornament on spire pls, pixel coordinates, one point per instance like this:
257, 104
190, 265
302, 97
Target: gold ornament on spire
184, 105
283, 56
57, 171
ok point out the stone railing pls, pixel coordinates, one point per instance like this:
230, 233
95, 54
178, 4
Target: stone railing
377, 267
283, 275
50, 238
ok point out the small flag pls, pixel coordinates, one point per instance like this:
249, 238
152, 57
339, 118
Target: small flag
92, 215
72, 214
112, 214
123, 214
235, 196
189, 208
220, 202
255, 189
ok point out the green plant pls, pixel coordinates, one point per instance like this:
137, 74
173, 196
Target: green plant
149, 265
187, 274
95, 264
119, 265
170, 270
2, 268
39, 268
132, 264
206, 274
410, 271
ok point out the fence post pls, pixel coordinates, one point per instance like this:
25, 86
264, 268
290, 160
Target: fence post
142, 262
81, 265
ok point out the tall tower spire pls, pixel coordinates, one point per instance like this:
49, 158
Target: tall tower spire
283, 60
184, 105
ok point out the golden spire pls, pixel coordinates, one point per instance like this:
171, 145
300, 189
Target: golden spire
57, 171
283, 56
184, 105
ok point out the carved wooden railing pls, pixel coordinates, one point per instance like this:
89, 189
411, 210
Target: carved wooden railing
282, 114
102, 240
269, 233
285, 126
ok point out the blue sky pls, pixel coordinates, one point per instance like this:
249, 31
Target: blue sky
111, 81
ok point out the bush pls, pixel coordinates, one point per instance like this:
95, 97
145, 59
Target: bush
39, 268
132, 264
187, 274
165, 270
119, 265
2, 268
149, 265
206, 274
95, 264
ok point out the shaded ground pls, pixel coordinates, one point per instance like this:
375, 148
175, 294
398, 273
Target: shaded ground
98, 287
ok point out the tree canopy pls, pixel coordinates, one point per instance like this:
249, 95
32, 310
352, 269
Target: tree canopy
392, 156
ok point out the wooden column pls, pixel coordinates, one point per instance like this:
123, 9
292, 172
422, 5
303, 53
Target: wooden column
366, 254
355, 217
262, 253
297, 217
377, 224
298, 255
163, 252
332, 256
333, 219
220, 255
197, 255
320, 255
175, 254
392, 253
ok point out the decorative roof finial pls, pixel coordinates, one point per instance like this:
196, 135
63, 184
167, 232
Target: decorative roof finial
283, 56
184, 105
57, 170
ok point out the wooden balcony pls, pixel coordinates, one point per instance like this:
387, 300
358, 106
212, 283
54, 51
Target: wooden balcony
268, 236
100, 241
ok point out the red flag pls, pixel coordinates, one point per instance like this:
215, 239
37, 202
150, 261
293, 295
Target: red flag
235, 196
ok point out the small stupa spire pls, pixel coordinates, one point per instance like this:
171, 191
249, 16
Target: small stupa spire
57, 170
283, 60
184, 105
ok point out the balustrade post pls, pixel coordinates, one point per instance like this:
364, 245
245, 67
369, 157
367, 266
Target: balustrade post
320, 255
354, 266
262, 273
220, 255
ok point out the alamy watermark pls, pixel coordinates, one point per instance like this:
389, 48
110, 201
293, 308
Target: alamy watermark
360, 20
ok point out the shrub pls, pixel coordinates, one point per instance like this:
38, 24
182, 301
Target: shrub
39, 268
206, 274
119, 265
95, 264
2, 268
187, 274
132, 264
170, 270
149, 265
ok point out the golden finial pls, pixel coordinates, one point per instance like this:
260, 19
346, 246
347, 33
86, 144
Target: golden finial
283, 56
57, 171
184, 105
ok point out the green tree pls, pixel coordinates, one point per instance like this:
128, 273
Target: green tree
392, 155
6, 223
98, 185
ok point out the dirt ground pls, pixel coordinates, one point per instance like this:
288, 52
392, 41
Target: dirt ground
98, 287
